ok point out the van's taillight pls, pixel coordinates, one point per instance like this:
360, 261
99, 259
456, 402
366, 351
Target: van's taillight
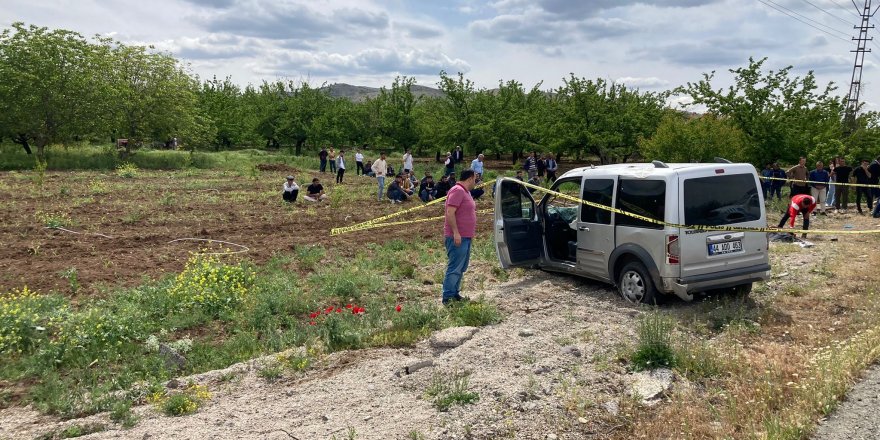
673, 252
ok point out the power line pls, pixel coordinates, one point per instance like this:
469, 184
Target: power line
804, 22
845, 9
826, 11
808, 18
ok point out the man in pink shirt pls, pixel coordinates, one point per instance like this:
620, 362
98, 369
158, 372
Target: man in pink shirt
459, 229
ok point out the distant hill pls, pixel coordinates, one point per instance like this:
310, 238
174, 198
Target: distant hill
359, 93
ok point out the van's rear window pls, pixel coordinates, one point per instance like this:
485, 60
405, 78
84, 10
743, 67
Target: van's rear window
721, 200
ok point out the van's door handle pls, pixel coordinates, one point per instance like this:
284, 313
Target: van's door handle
583, 228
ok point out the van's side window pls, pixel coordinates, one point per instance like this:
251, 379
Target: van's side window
597, 191
643, 197
516, 202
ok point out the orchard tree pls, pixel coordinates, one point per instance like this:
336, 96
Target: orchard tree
458, 96
222, 102
53, 87
783, 116
396, 112
683, 137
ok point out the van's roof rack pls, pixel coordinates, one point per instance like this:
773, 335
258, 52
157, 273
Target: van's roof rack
659, 164
722, 160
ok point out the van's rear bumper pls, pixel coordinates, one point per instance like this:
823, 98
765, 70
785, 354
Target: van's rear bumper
685, 287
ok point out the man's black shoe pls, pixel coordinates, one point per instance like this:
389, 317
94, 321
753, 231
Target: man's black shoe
455, 299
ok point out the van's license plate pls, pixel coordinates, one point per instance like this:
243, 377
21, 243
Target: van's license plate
727, 247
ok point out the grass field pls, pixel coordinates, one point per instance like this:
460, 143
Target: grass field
109, 288
96, 283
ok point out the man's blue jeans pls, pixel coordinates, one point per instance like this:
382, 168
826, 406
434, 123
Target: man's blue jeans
381, 180
459, 257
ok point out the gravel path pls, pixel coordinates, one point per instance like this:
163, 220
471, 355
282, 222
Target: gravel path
857, 417
547, 371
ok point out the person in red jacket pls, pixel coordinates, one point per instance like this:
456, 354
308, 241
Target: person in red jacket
801, 203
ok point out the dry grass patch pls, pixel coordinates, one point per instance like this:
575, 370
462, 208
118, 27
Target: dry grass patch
776, 362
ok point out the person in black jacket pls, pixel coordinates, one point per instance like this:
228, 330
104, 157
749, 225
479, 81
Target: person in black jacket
863, 177
458, 155
442, 187
427, 188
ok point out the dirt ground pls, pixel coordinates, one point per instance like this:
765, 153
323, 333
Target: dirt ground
144, 214
856, 418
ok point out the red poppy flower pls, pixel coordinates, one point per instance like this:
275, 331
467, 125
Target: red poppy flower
349, 306
339, 310
360, 310
398, 308
355, 311
313, 323
313, 315
329, 309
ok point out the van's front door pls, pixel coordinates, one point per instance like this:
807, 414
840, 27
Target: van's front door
595, 229
518, 236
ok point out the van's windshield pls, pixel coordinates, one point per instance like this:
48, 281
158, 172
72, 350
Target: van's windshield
721, 200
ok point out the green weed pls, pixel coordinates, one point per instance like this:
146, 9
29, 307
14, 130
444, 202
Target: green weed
654, 346
446, 391
127, 170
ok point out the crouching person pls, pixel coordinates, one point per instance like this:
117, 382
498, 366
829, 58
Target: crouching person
291, 190
800, 204
315, 191
396, 192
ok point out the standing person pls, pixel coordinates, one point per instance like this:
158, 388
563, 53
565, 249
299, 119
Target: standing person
407, 162
842, 174
380, 167
542, 165
531, 165
323, 157
798, 174
450, 164
359, 163
832, 188
477, 164
778, 181
340, 166
315, 191
819, 186
803, 204
863, 177
457, 155
552, 167
458, 230
874, 168
766, 174
332, 157
290, 191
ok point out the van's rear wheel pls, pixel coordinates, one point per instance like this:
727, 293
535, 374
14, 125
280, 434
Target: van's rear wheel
635, 285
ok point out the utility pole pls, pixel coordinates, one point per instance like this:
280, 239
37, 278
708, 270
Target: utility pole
852, 99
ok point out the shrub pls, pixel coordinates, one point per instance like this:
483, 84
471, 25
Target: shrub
181, 403
308, 257
121, 413
26, 318
127, 170
654, 346
53, 220
211, 286
95, 329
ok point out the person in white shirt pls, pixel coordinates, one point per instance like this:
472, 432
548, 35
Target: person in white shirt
359, 162
340, 166
380, 168
477, 164
407, 162
291, 190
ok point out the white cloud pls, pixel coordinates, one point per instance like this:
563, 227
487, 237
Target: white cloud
651, 82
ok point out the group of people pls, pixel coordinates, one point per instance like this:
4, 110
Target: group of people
314, 192
827, 186
537, 167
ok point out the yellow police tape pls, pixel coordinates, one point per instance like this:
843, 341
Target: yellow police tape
371, 224
363, 225
823, 183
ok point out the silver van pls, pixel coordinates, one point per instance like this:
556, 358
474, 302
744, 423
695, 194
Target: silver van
642, 259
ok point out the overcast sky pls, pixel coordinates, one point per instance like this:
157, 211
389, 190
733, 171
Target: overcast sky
650, 44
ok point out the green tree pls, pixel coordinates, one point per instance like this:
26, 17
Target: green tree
396, 113
53, 86
222, 102
783, 116
682, 137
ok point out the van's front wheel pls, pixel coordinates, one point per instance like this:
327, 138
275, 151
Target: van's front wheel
635, 285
